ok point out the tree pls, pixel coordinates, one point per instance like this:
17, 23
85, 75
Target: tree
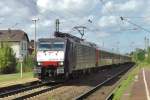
7, 59
148, 55
140, 55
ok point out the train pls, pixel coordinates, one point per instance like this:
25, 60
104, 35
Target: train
66, 56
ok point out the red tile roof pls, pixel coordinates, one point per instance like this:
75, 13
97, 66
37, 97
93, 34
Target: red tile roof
13, 35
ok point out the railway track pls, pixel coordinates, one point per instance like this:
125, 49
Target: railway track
97, 87
28, 92
17, 86
111, 94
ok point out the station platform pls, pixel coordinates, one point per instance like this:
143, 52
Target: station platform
140, 88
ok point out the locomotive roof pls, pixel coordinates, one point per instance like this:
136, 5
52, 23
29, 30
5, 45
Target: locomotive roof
61, 37
88, 44
51, 39
67, 35
56, 39
74, 39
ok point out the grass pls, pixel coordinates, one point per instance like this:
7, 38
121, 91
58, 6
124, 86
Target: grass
144, 65
16, 76
126, 83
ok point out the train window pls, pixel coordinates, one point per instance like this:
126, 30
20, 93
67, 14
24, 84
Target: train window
43, 46
51, 46
57, 46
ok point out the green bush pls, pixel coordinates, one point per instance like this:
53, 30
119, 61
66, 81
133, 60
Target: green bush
141, 55
148, 56
7, 60
138, 55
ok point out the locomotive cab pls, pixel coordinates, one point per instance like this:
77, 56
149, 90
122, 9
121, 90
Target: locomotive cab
50, 58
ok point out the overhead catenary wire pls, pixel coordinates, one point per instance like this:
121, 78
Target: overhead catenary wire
140, 17
103, 3
72, 21
111, 13
130, 22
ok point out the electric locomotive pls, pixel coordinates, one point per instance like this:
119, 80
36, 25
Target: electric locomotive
67, 55
50, 57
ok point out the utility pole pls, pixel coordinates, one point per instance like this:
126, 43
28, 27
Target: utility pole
117, 46
57, 25
81, 30
145, 43
103, 44
132, 46
15, 25
35, 22
21, 61
117, 49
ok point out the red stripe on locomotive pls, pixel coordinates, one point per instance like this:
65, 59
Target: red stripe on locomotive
53, 64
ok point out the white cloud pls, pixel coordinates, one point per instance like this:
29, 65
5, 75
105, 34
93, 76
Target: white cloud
107, 21
65, 5
146, 13
73, 13
47, 23
17, 11
130, 5
102, 34
15, 8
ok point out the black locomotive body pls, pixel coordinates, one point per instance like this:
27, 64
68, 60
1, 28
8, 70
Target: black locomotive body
67, 55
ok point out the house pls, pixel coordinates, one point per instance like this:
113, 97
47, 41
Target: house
17, 39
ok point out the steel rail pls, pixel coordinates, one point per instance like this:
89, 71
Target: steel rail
88, 93
37, 93
111, 95
5, 94
17, 86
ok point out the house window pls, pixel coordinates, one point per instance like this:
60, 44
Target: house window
25, 46
21, 45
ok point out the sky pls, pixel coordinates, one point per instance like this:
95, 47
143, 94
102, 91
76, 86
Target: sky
105, 27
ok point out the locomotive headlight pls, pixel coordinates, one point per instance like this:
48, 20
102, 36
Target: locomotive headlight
39, 63
61, 63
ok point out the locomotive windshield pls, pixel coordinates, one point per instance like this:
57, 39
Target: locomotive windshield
51, 46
